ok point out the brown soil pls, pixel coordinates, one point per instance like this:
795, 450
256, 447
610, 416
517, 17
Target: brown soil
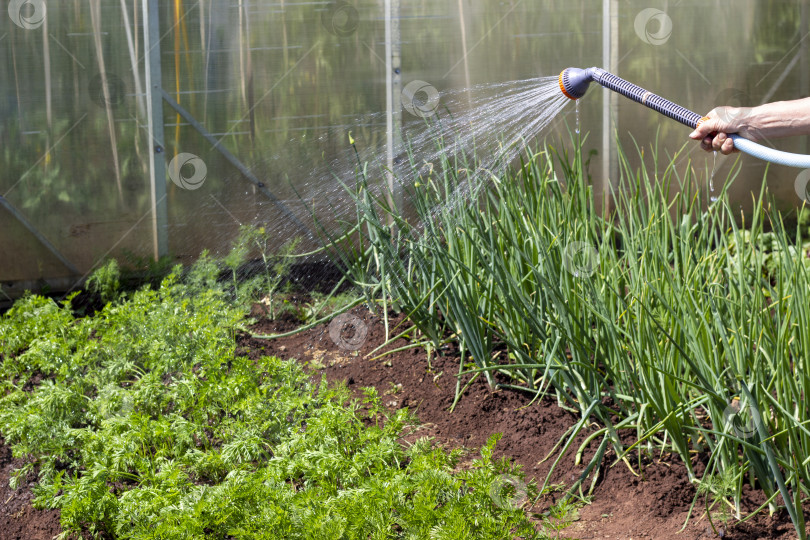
18, 520
624, 505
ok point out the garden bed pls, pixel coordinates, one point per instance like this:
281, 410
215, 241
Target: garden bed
653, 505
640, 370
143, 421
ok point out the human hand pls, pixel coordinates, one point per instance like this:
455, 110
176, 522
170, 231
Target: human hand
713, 129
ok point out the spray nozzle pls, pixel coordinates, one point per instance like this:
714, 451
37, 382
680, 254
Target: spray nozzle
574, 81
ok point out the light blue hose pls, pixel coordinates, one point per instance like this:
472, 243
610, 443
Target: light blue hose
769, 154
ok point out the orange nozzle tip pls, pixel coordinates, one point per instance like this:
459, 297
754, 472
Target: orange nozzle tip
562, 87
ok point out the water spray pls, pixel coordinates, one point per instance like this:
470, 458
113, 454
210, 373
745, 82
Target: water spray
574, 84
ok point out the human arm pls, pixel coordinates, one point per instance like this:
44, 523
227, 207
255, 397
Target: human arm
768, 121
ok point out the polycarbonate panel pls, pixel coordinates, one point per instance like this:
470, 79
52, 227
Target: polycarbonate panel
285, 85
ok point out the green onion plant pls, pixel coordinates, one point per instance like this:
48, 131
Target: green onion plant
668, 320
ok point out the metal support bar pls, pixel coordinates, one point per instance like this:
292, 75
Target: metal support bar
154, 113
610, 60
606, 138
779, 80
38, 235
236, 163
393, 92
804, 76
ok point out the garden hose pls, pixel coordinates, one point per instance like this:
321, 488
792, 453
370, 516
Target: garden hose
574, 83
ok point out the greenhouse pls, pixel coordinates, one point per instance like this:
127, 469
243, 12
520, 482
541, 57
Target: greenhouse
451, 269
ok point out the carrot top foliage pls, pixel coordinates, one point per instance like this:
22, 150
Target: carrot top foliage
142, 422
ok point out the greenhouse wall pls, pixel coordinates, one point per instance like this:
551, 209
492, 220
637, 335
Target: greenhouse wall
274, 92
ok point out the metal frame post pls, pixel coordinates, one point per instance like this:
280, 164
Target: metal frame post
154, 114
610, 56
393, 92
804, 76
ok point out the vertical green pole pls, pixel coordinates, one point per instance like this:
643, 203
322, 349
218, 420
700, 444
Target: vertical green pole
154, 113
